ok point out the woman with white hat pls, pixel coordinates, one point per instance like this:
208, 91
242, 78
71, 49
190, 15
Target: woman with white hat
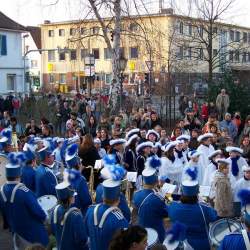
211, 168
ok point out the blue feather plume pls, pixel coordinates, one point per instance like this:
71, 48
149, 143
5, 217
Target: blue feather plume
109, 159
12, 157
31, 140
244, 196
72, 149
6, 133
29, 154
117, 172
193, 173
154, 162
74, 175
63, 149
177, 232
21, 158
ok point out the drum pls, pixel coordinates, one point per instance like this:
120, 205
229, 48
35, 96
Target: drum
3, 161
219, 229
47, 203
152, 238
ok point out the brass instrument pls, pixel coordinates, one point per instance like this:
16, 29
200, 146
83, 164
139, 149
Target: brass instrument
14, 140
91, 182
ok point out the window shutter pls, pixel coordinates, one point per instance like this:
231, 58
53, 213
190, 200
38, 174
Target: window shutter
3, 46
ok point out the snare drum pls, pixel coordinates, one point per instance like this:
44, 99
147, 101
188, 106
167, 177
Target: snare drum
219, 229
47, 203
3, 161
152, 238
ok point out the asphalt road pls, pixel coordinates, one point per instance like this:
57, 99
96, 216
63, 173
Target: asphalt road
5, 238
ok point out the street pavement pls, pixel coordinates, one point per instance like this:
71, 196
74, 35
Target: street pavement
5, 238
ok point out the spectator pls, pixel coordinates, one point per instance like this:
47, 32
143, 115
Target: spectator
204, 111
75, 122
181, 124
91, 126
194, 144
154, 120
104, 124
16, 127
65, 114
105, 140
5, 122
212, 120
246, 130
87, 114
46, 131
32, 129
190, 121
238, 123
245, 145
224, 139
227, 123
101, 151
212, 110
183, 104
176, 133
222, 103
16, 104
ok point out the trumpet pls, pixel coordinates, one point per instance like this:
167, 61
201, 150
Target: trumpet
91, 181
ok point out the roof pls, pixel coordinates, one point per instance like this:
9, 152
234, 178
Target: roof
8, 24
36, 35
150, 15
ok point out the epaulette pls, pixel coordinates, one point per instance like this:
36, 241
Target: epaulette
76, 212
118, 214
23, 188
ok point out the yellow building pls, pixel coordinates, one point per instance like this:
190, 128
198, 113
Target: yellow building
170, 41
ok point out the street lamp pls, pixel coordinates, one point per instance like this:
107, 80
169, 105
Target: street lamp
122, 66
24, 60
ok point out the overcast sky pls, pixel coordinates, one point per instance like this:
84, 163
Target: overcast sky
34, 12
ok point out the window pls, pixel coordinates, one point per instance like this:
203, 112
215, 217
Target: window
133, 52
96, 53
72, 31
62, 56
248, 37
3, 45
62, 78
215, 52
133, 27
73, 55
122, 52
190, 29
179, 54
51, 78
51, 55
11, 82
107, 53
244, 57
200, 31
51, 33
27, 47
248, 57
237, 37
83, 31
231, 35
200, 54
231, 56
34, 64
95, 30
244, 37
108, 78
189, 53
61, 32
84, 53
181, 28
215, 30
237, 56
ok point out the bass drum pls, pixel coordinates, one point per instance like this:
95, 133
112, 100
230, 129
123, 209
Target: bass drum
3, 161
219, 229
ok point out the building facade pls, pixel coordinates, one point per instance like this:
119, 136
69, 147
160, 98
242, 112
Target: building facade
174, 44
11, 60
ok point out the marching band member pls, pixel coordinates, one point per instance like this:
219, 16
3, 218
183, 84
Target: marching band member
211, 168
178, 153
5, 141
240, 241
196, 216
193, 163
45, 178
78, 182
242, 183
143, 151
206, 149
117, 148
152, 136
221, 190
102, 220
170, 167
236, 162
106, 174
150, 206
130, 150
67, 221
186, 139
20, 207
28, 176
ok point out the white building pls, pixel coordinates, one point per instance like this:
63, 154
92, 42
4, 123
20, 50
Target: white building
11, 60
31, 45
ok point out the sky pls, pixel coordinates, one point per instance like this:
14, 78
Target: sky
34, 12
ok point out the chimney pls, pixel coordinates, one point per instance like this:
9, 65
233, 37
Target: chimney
168, 11
46, 21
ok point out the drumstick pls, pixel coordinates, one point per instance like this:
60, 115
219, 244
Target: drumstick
229, 226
